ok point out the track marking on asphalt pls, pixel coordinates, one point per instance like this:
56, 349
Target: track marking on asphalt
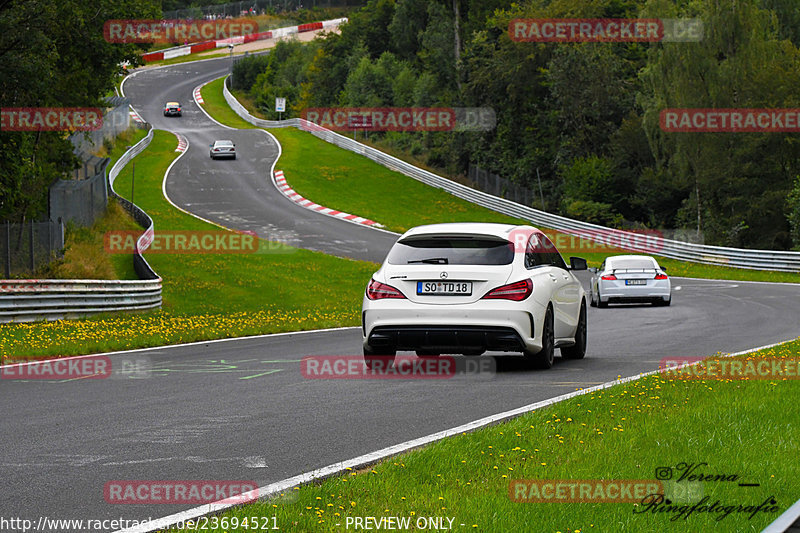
196, 343
362, 461
79, 461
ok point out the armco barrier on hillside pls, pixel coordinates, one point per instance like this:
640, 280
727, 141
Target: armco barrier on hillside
49, 299
697, 253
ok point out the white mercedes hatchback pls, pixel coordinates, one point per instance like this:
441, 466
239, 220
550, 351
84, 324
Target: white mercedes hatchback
467, 288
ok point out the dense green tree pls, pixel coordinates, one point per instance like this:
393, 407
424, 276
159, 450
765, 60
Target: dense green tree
583, 118
53, 54
740, 63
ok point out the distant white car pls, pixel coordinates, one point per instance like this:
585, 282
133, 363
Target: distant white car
466, 288
222, 149
629, 279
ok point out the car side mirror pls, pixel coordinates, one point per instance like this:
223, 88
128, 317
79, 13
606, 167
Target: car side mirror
211, 146
577, 263
663, 268
593, 270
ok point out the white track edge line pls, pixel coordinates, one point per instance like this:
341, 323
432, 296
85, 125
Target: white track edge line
742, 281
371, 458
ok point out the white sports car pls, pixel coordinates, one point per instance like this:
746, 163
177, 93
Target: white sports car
466, 288
629, 279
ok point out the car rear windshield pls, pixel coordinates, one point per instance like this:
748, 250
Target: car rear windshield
633, 264
452, 251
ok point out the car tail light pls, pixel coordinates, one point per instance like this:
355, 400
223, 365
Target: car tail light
661, 276
609, 277
513, 291
378, 291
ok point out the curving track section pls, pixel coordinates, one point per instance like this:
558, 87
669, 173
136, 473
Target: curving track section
238, 194
240, 409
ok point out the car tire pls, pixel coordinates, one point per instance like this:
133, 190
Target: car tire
663, 303
377, 358
578, 350
544, 358
234, 157
427, 354
592, 301
600, 303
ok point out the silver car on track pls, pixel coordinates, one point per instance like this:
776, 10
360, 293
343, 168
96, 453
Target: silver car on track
629, 279
222, 149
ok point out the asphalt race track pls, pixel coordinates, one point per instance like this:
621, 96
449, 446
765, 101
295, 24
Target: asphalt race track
238, 193
242, 410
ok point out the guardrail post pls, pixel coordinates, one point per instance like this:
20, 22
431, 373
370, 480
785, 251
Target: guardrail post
30, 241
8, 250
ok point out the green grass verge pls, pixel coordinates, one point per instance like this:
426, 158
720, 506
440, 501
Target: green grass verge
343, 180
626, 432
206, 296
84, 252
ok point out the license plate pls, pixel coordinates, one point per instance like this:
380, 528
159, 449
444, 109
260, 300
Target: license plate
446, 288
635, 282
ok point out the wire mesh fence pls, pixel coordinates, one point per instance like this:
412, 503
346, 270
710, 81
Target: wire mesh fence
116, 119
27, 246
254, 7
493, 184
83, 200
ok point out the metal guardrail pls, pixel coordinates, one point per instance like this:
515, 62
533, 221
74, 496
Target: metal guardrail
49, 299
697, 253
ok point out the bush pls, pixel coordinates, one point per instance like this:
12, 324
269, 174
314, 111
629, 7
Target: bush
593, 212
589, 178
247, 69
793, 213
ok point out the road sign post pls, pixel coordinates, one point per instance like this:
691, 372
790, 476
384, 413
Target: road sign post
280, 106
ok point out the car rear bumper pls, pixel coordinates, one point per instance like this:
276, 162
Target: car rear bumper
401, 325
447, 338
634, 293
